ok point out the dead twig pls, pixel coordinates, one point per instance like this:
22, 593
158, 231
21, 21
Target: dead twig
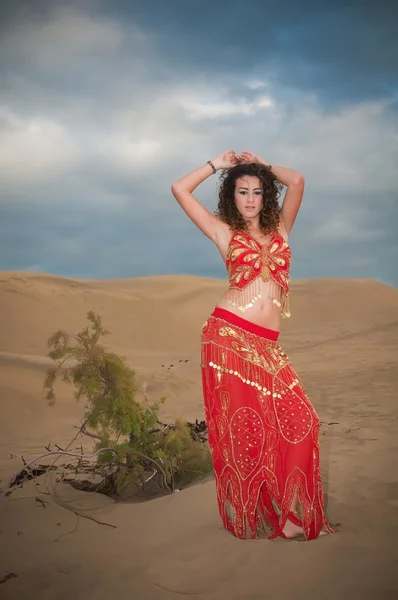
14, 479
7, 577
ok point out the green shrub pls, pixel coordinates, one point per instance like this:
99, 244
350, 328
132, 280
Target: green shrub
106, 386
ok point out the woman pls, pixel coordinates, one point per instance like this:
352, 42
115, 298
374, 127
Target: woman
263, 430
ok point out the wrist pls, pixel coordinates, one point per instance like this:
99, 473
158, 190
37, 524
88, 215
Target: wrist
214, 166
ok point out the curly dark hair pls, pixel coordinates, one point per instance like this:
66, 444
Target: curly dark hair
226, 209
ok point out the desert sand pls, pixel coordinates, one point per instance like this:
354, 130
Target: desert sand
342, 339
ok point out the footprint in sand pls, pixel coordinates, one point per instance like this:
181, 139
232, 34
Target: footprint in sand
182, 360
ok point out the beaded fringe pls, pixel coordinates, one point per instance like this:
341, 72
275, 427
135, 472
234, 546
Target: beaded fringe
248, 372
246, 298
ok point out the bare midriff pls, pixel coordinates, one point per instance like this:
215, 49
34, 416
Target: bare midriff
256, 303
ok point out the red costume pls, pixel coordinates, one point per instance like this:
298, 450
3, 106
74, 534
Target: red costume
256, 271
263, 430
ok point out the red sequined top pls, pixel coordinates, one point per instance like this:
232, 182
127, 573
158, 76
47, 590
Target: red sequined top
247, 260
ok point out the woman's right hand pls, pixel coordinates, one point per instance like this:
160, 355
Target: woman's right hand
226, 160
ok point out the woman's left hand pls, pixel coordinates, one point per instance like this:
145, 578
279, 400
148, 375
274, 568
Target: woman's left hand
249, 157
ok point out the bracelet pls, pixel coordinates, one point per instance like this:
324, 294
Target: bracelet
212, 166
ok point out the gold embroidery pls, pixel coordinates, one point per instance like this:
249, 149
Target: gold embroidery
274, 247
252, 428
239, 272
250, 257
249, 263
224, 400
248, 242
228, 331
237, 252
265, 274
246, 445
279, 261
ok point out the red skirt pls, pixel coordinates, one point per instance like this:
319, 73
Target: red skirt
263, 431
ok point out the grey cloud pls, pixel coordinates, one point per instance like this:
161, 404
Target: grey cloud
112, 214
342, 51
369, 248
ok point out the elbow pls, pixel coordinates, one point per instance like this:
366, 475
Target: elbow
174, 189
298, 180
176, 186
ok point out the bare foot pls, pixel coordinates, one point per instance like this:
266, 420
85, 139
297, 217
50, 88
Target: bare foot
291, 530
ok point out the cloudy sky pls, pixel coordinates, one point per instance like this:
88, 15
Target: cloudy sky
104, 104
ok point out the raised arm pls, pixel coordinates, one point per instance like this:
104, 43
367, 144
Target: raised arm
182, 190
294, 182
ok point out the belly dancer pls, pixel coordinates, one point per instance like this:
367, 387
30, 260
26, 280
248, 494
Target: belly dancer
263, 430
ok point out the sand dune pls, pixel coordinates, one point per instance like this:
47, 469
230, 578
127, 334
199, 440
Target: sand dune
342, 338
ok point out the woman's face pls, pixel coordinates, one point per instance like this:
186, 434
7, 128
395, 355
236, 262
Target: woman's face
248, 196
